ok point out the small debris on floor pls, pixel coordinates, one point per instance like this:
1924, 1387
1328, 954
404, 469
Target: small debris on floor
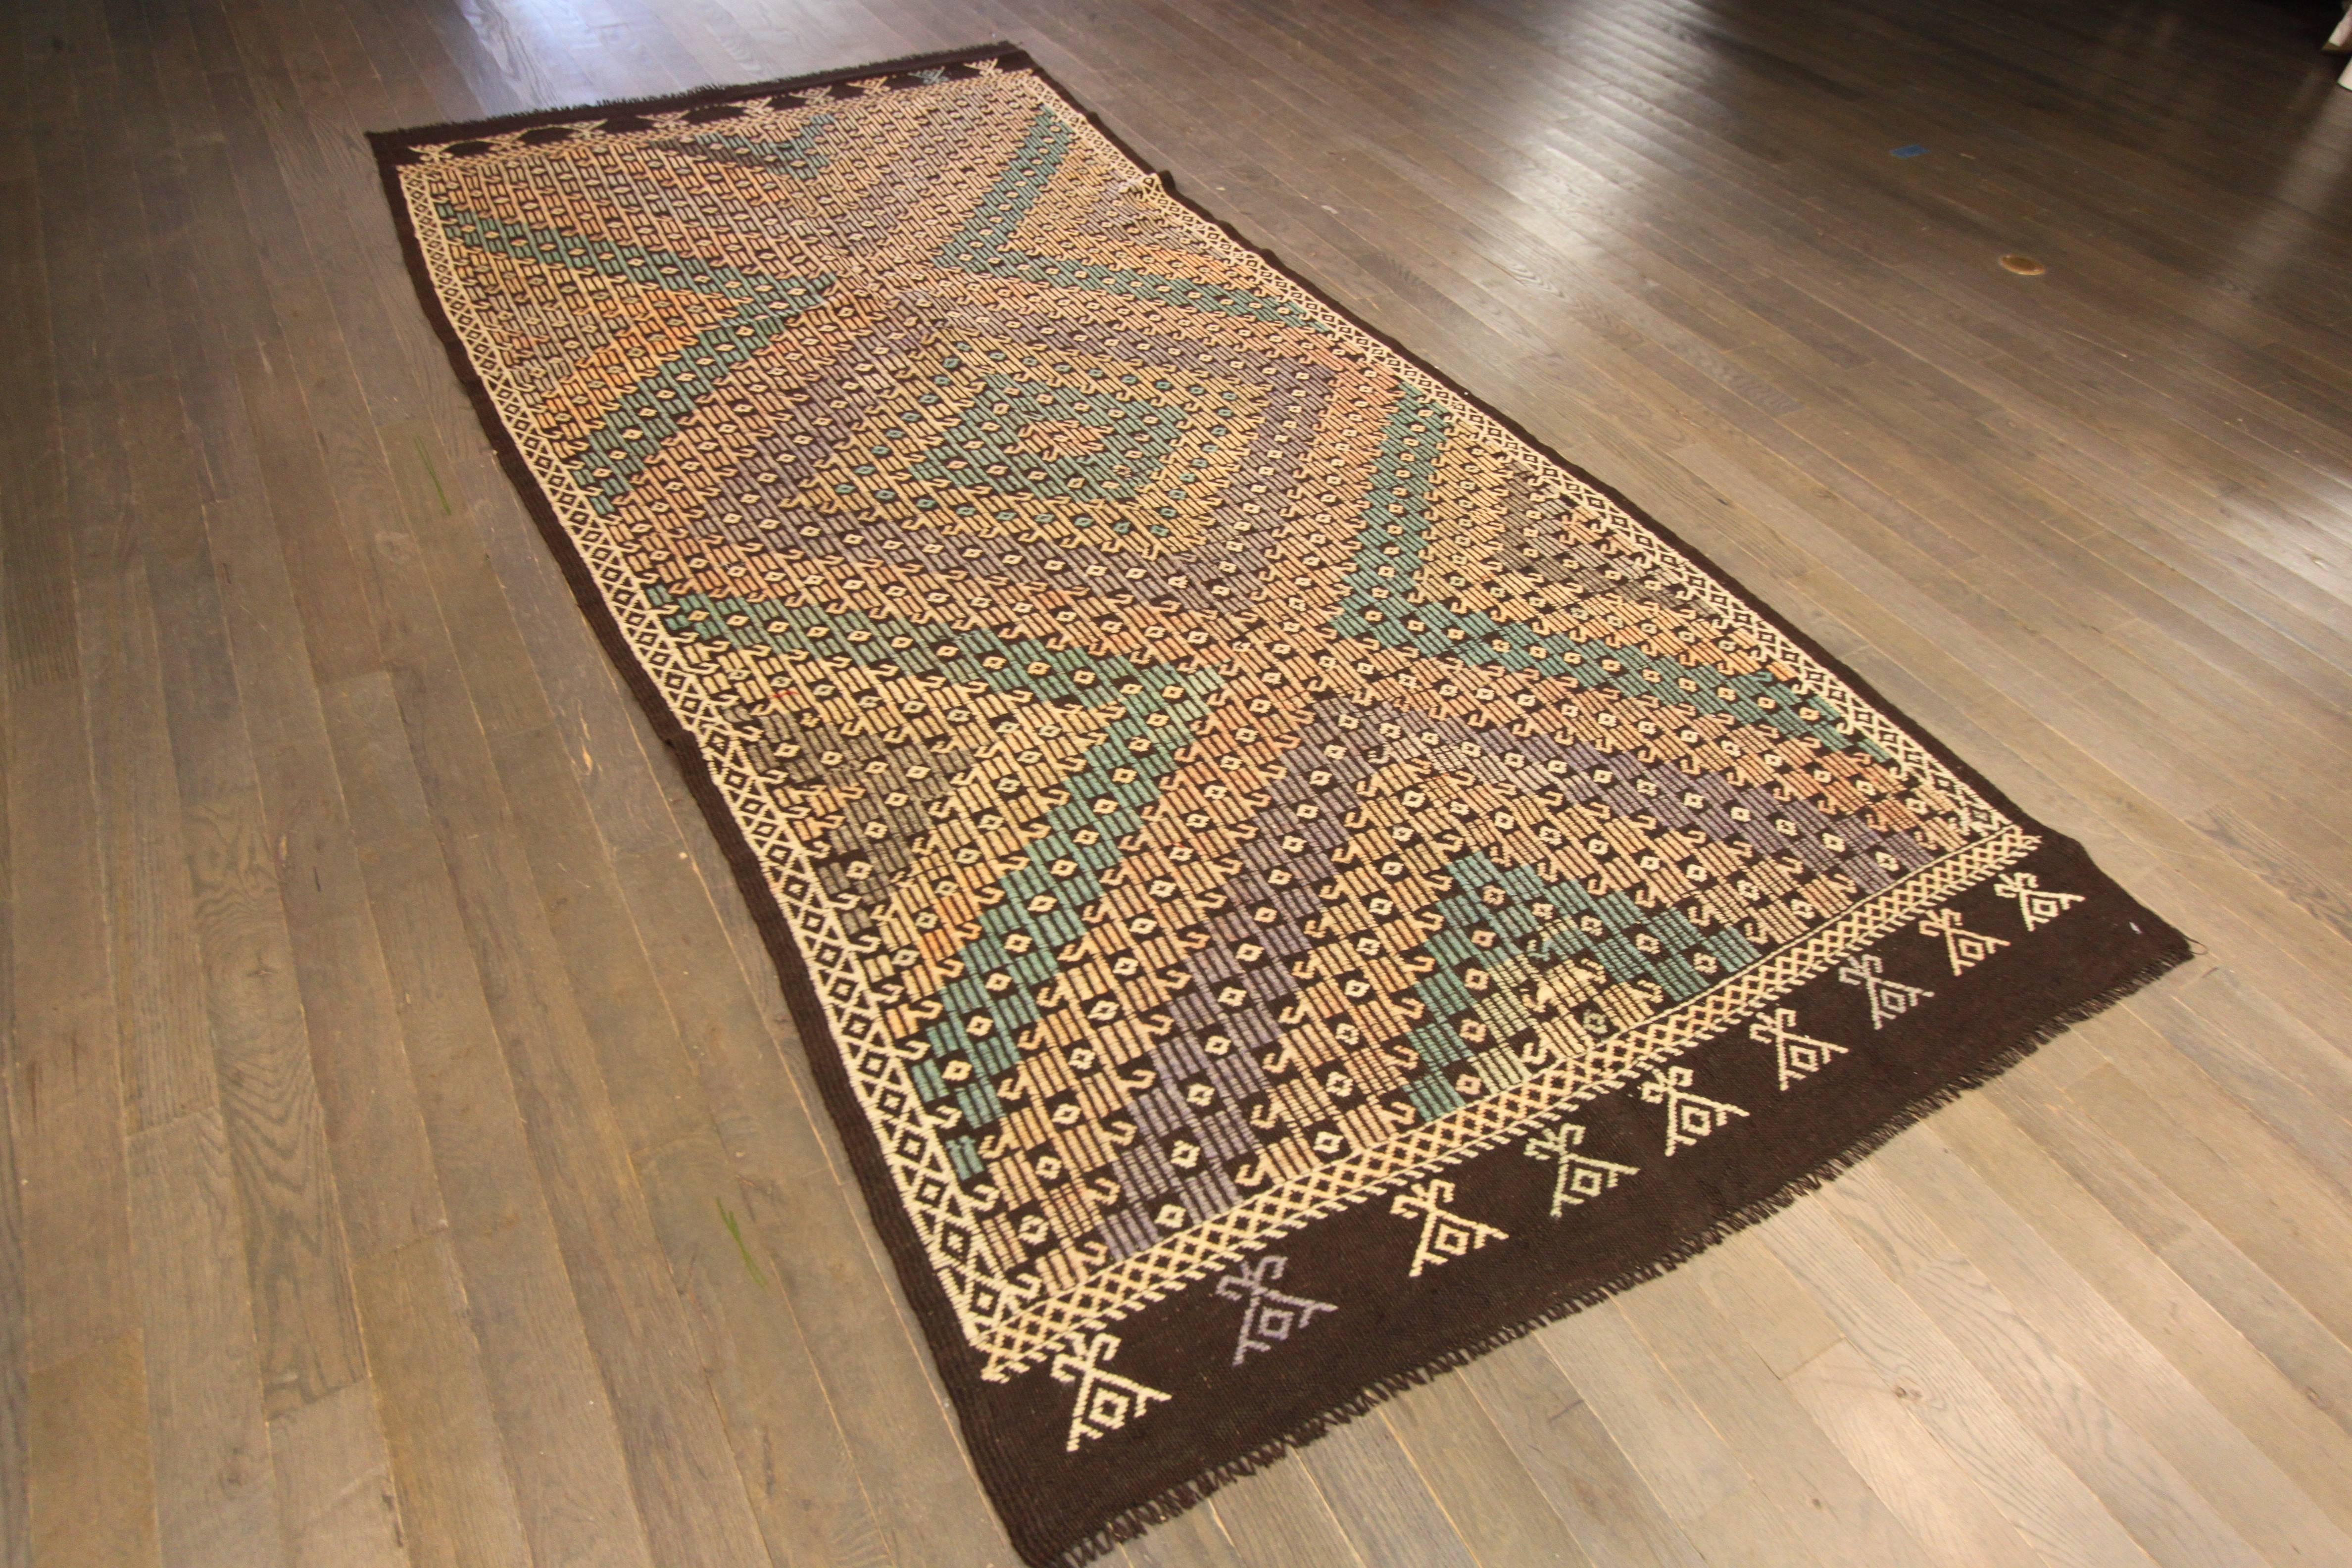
1912, 151
2024, 265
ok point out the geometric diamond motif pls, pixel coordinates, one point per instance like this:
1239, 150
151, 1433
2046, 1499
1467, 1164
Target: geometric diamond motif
1217, 775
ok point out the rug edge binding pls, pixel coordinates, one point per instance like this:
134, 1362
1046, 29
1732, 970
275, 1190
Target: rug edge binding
799, 988
390, 144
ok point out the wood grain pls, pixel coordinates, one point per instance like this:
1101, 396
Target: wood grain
15, 1449
216, 1495
334, 1484
454, 1498
89, 1502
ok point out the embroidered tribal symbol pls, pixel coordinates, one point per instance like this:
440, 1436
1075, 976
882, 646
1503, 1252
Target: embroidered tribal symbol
1962, 946
1106, 1400
1795, 1056
1689, 1117
2038, 904
1444, 1236
1269, 1316
1888, 998
1581, 1176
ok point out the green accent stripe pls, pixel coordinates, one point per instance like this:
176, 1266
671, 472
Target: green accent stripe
919, 648
656, 408
638, 264
659, 404
1385, 582
984, 245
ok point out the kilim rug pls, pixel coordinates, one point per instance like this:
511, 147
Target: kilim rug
1286, 884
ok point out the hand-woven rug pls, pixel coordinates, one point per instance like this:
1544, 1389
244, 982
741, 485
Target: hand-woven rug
1285, 883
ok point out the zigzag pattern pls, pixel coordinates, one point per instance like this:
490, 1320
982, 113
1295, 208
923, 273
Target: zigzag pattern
1214, 774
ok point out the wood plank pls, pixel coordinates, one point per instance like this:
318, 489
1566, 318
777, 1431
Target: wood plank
65, 1093
455, 1497
629, 1031
1280, 1516
803, 1487
2234, 1288
1194, 1539
75, 1484
1591, 1484
2289, 1423
2287, 1221
1677, 1451
2276, 1065
360, 1073
1776, 1317
87, 1499
685, 1481
2063, 1519
334, 1484
15, 1394
2216, 1457
2160, 1506
1380, 1499
215, 1496
309, 1332
553, 1413
159, 990
1818, 1505
1485, 1492
1920, 1480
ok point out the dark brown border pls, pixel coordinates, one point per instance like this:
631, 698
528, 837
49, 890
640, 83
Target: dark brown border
394, 145
948, 1352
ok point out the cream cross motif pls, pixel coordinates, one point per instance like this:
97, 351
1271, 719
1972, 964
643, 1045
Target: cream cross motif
1269, 1316
1444, 1236
1689, 1117
1106, 1400
1795, 1056
1581, 1176
2038, 904
1888, 998
1962, 946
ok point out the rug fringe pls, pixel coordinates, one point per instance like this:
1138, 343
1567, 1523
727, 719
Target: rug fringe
1177, 1500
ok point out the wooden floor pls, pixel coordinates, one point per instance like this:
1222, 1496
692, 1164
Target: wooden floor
405, 1157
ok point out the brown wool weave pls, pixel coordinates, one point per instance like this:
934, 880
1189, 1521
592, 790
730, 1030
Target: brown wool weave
1284, 883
